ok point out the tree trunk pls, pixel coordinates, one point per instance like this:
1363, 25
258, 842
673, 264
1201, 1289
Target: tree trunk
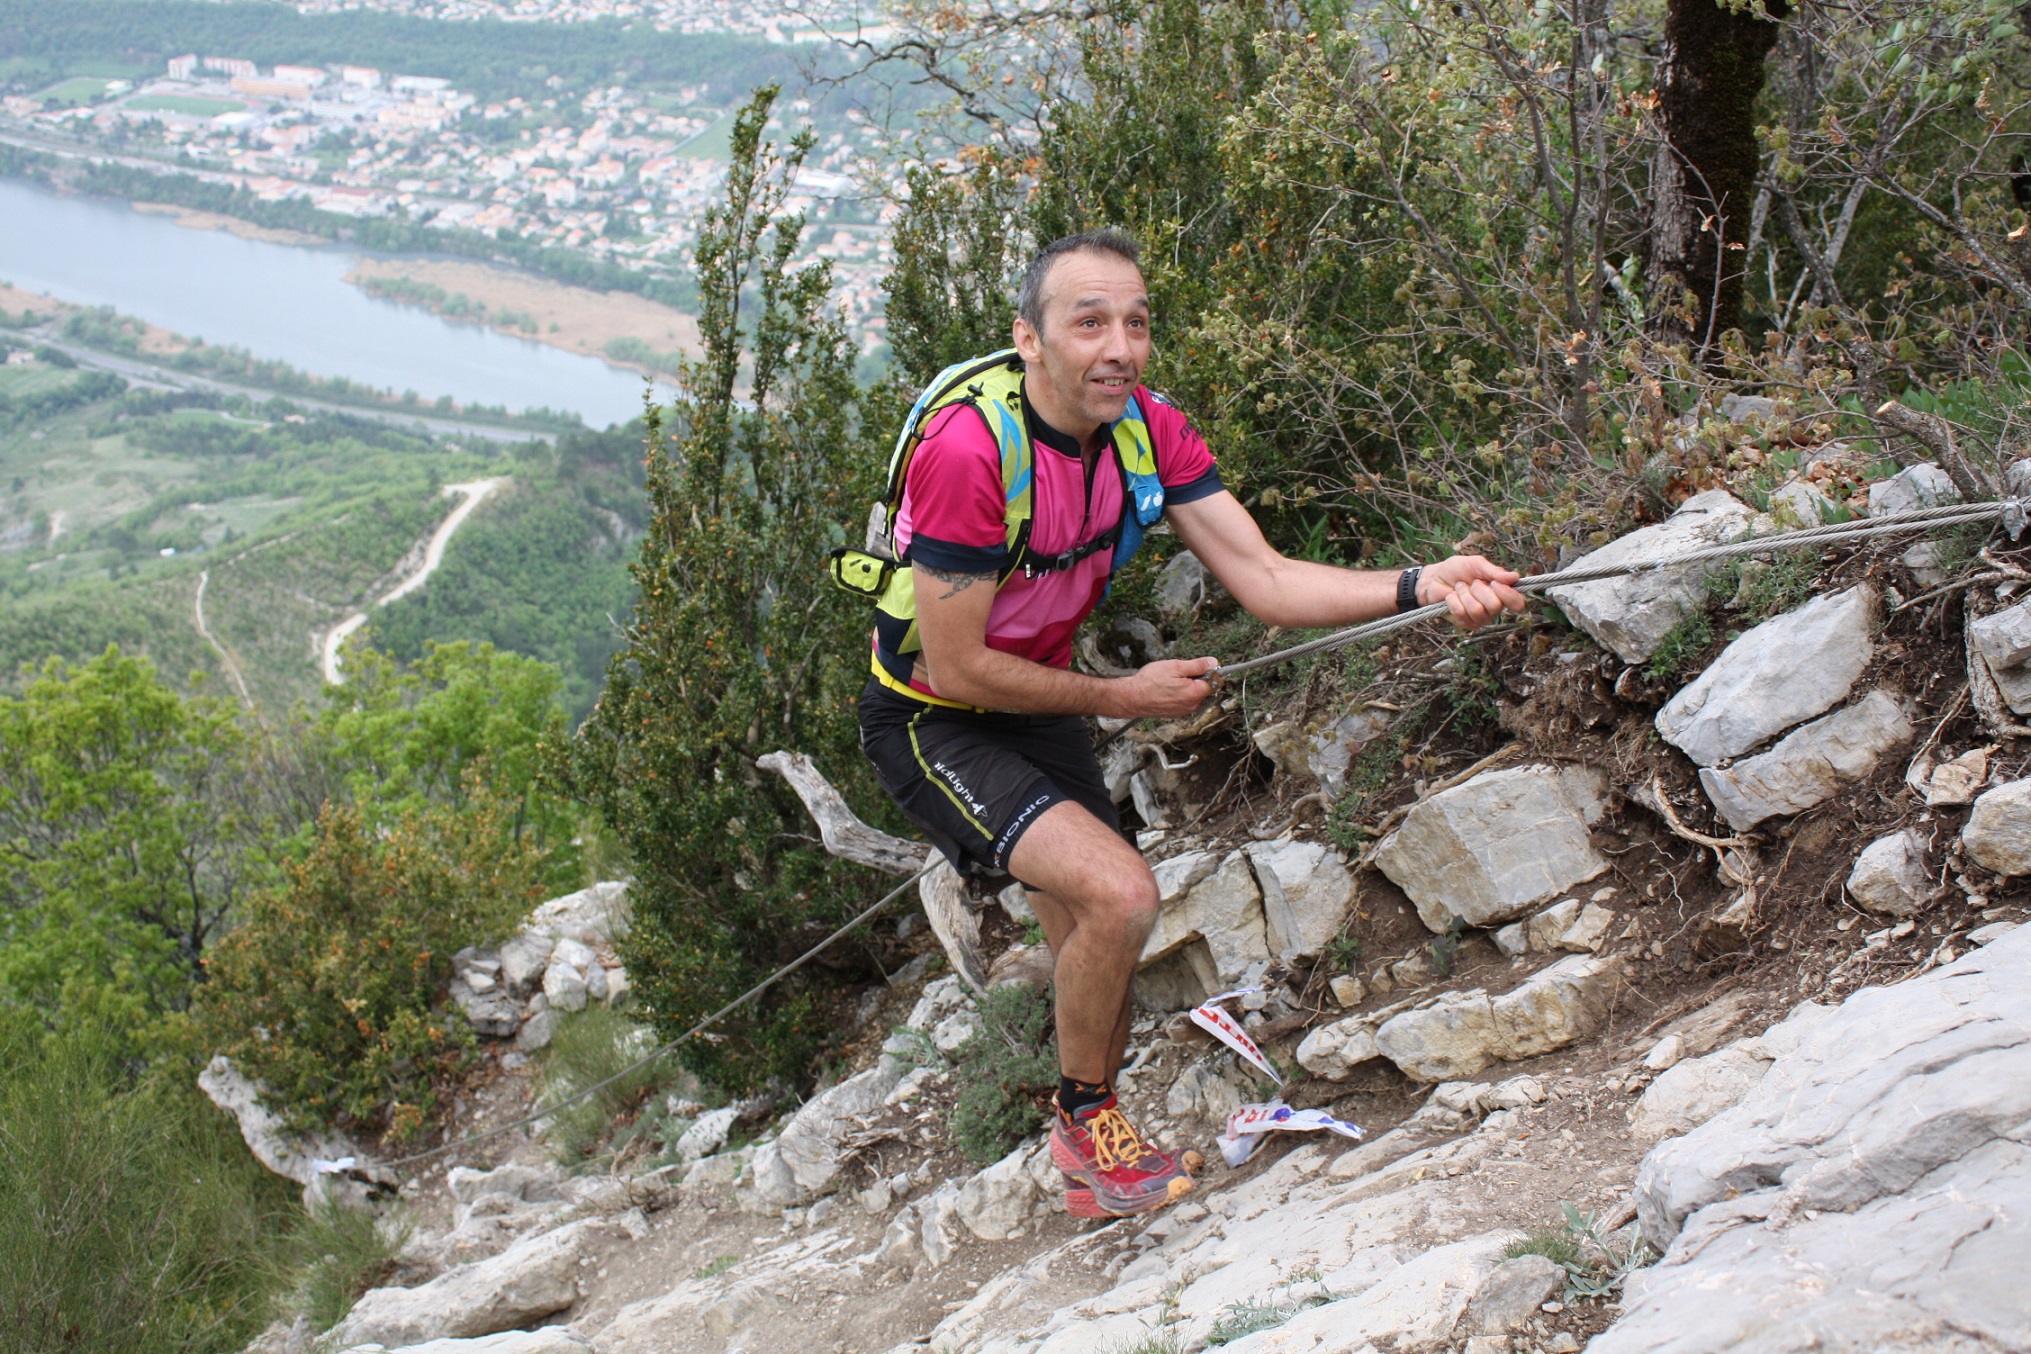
1704, 177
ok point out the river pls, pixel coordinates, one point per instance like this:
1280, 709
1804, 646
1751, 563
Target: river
286, 302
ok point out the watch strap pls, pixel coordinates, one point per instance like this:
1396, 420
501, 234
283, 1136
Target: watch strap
1406, 588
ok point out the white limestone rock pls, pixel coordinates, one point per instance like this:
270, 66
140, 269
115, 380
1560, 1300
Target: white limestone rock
1693, 1090
1492, 849
1334, 1051
1202, 1094
523, 1284
1784, 671
537, 1031
1414, 1307
1923, 485
707, 1134
594, 916
523, 960
1998, 834
1463, 1032
938, 1214
1306, 894
1809, 765
1512, 1293
803, 1161
1211, 898
1890, 876
564, 986
282, 1149
1185, 585
493, 1013
951, 1033
996, 1202
548, 1340
1801, 504
1871, 1192
1630, 616
2004, 641
1330, 751
1285, 745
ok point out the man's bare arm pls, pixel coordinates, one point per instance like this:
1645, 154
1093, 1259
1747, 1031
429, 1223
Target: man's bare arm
1299, 594
952, 611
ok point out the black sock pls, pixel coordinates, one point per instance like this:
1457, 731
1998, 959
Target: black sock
1074, 1096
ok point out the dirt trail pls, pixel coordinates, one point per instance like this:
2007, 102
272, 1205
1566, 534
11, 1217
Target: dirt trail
232, 666
475, 492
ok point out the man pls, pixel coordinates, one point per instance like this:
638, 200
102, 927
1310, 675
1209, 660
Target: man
975, 724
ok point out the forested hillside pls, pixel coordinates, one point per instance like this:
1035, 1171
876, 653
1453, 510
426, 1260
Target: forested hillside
1516, 278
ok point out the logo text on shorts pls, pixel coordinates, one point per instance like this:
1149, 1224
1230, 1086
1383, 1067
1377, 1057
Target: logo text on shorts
959, 787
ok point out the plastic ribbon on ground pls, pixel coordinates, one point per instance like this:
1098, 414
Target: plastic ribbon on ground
1247, 1125
1216, 1022
323, 1167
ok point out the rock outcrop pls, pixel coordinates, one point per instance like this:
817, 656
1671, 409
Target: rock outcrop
1871, 1191
1491, 850
1630, 616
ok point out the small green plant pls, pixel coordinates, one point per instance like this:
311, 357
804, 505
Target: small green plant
1680, 648
1003, 1067
595, 1046
1343, 953
340, 1253
1594, 1266
1242, 1319
714, 1268
1033, 931
1447, 947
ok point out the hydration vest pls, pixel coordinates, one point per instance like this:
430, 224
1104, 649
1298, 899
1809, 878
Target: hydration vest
993, 386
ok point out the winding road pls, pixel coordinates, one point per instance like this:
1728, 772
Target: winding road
475, 492
226, 658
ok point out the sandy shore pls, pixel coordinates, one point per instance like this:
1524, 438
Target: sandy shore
191, 219
575, 319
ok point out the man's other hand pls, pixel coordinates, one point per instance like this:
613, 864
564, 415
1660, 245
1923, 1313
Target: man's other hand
1474, 589
1169, 689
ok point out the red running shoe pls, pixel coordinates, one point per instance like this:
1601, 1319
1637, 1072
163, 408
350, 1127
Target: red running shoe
1110, 1169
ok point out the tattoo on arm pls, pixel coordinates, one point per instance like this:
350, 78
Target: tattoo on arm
956, 581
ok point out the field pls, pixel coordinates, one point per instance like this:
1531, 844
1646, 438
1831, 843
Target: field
184, 103
576, 319
74, 91
714, 143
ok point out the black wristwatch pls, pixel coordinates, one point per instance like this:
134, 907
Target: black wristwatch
1406, 588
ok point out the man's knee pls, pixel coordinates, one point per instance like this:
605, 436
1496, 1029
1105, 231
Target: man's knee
1131, 906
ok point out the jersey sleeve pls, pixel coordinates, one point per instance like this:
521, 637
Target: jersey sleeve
953, 502
1184, 462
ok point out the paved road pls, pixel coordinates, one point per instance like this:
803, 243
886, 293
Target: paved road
153, 377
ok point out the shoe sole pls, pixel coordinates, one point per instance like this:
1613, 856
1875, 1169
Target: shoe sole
1082, 1202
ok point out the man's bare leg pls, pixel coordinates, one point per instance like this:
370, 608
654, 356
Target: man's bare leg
1056, 919
1102, 902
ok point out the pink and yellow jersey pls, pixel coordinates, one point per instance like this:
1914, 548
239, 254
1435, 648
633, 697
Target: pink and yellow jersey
953, 517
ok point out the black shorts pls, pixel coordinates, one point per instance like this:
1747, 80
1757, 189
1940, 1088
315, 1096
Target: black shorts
975, 782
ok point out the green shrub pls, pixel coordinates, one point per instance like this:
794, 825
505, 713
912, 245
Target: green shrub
329, 989
131, 1217
1004, 1066
596, 1045
340, 1253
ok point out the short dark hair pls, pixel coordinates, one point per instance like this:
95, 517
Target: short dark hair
1106, 240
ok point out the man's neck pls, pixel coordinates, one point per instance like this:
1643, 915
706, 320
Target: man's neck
1057, 437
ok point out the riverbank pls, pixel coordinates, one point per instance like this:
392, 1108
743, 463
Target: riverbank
619, 328
190, 218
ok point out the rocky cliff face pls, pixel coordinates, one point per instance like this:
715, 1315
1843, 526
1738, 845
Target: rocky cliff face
1727, 971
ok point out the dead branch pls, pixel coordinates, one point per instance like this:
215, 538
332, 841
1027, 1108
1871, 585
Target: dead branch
955, 925
844, 834
1936, 435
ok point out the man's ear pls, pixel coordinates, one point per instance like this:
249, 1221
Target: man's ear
1027, 344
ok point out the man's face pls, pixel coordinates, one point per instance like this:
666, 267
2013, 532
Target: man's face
1085, 360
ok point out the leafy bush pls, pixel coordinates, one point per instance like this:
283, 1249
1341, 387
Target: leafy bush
1004, 1066
329, 988
129, 826
1595, 1267
131, 1217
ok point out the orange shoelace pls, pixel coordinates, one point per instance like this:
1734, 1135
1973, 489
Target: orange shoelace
1115, 1141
